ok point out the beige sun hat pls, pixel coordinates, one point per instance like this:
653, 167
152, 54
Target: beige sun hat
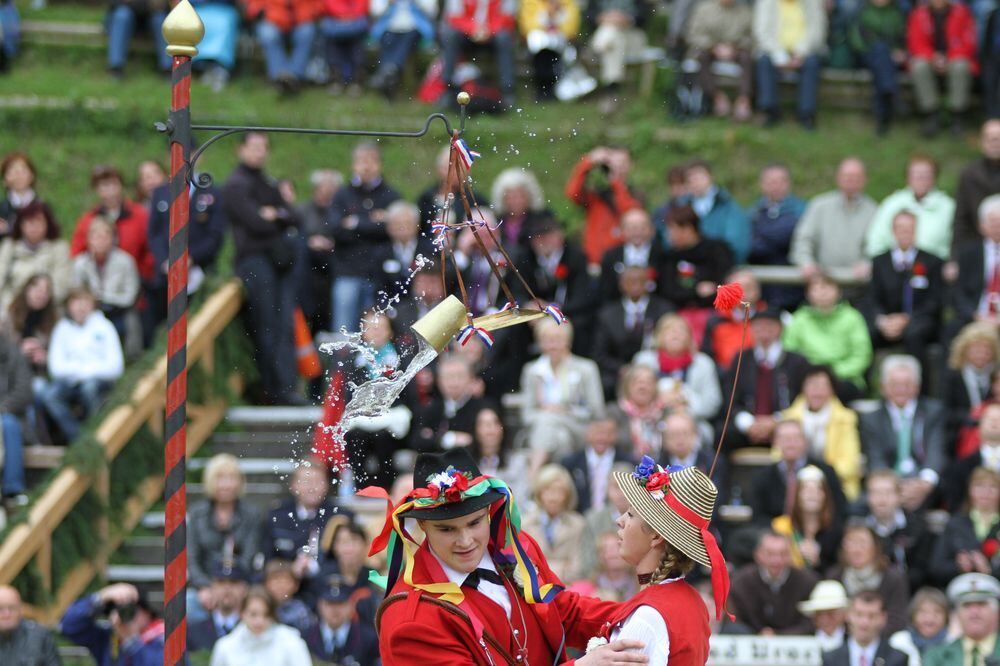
692, 490
827, 595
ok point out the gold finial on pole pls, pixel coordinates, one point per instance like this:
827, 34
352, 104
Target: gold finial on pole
183, 30
464, 98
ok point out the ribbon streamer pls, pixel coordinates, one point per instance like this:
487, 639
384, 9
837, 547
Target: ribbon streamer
505, 527
466, 334
466, 154
553, 311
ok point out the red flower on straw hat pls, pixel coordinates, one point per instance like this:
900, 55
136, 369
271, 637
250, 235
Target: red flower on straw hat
658, 481
728, 297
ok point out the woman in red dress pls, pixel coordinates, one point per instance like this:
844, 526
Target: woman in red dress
663, 535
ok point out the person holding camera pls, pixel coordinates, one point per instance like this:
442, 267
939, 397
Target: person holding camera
268, 247
117, 625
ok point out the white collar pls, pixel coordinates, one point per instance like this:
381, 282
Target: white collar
869, 651
594, 458
457, 577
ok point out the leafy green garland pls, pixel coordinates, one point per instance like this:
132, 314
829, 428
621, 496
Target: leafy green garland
75, 539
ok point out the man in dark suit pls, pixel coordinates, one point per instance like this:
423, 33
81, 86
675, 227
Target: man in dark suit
866, 619
906, 541
556, 271
681, 441
591, 468
694, 266
765, 386
977, 291
293, 530
907, 432
340, 636
905, 293
774, 486
624, 325
639, 248
397, 259
449, 420
955, 486
229, 588
765, 594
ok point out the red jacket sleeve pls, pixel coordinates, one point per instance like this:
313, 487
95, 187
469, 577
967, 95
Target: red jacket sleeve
79, 241
145, 260
576, 188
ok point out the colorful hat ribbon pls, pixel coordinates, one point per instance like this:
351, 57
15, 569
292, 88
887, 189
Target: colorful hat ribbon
505, 527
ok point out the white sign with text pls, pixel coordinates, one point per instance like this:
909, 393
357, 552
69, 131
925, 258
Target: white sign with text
765, 651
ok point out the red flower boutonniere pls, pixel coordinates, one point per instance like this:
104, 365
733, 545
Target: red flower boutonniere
990, 548
562, 272
653, 274
919, 269
686, 269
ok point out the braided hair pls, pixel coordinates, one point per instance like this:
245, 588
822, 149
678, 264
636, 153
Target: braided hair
673, 565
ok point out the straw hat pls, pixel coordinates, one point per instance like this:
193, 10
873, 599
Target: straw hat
827, 595
689, 488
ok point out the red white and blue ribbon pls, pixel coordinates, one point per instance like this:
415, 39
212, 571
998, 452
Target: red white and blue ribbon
553, 311
466, 154
466, 334
511, 305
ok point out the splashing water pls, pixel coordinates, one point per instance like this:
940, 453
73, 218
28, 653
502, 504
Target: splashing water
375, 397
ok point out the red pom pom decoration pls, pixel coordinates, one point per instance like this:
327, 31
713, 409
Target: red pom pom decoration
728, 297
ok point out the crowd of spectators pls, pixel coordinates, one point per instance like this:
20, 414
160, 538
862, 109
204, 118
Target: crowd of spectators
944, 47
874, 388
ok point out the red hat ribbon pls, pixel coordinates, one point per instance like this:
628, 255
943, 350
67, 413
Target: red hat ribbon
720, 574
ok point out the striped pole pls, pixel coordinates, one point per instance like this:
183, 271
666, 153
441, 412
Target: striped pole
182, 30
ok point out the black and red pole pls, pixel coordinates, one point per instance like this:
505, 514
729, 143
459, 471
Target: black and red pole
182, 30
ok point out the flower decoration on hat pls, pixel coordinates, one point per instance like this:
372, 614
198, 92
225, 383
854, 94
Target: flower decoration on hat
447, 486
655, 477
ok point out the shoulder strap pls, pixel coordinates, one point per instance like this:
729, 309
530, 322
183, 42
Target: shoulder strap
412, 600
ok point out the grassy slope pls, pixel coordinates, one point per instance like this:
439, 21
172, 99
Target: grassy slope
102, 120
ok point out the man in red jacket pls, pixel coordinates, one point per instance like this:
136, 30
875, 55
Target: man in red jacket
941, 38
130, 219
462, 596
470, 24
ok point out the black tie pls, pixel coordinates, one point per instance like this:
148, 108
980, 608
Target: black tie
474, 578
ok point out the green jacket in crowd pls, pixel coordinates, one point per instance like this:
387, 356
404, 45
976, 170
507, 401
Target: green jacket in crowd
878, 24
838, 339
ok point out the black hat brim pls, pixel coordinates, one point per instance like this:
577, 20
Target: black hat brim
451, 510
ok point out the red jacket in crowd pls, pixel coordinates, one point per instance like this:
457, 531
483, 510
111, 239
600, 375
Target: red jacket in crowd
960, 34
131, 229
472, 16
346, 10
601, 232
285, 14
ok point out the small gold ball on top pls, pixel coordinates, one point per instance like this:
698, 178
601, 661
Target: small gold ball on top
464, 98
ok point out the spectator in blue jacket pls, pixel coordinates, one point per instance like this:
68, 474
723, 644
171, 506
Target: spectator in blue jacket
134, 627
721, 217
773, 219
217, 50
206, 232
